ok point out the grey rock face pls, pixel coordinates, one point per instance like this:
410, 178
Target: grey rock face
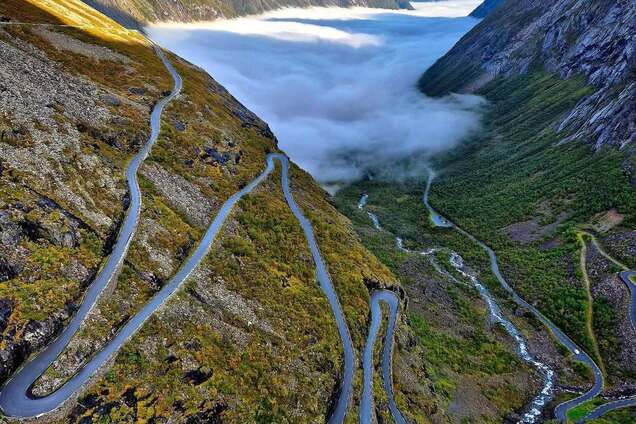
181, 194
131, 13
593, 39
35, 335
33, 103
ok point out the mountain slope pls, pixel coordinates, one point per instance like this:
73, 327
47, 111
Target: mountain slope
133, 12
593, 39
557, 159
485, 8
250, 336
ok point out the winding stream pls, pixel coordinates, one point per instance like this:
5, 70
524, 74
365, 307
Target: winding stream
496, 315
578, 354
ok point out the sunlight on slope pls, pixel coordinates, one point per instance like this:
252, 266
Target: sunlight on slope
78, 14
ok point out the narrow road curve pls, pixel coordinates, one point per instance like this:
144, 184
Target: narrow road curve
562, 409
391, 299
340, 410
9, 398
366, 403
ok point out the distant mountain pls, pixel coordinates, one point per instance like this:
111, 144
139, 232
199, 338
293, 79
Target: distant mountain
485, 8
131, 13
596, 40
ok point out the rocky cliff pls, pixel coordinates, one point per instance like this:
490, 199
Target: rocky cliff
595, 40
134, 12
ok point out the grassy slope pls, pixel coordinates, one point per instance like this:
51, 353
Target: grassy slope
42, 289
282, 376
515, 172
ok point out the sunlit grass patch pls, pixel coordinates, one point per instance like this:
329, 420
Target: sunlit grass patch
581, 411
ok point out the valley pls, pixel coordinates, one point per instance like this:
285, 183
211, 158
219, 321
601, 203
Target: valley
435, 225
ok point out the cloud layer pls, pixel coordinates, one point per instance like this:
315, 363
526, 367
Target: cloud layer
338, 86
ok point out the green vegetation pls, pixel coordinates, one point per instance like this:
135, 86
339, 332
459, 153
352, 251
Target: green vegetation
440, 79
478, 354
620, 416
448, 321
590, 311
581, 411
605, 325
519, 171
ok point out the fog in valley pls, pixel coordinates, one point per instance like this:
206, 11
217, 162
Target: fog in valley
337, 86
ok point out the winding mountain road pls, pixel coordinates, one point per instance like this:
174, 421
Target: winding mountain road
340, 410
366, 402
562, 409
393, 301
15, 398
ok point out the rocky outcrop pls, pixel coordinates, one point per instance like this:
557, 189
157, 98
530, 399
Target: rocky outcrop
131, 13
34, 336
594, 39
181, 194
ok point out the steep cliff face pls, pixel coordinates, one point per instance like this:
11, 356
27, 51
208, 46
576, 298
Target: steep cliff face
594, 39
133, 12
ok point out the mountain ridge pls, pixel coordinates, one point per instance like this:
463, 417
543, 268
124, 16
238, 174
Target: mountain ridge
485, 8
594, 40
136, 13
